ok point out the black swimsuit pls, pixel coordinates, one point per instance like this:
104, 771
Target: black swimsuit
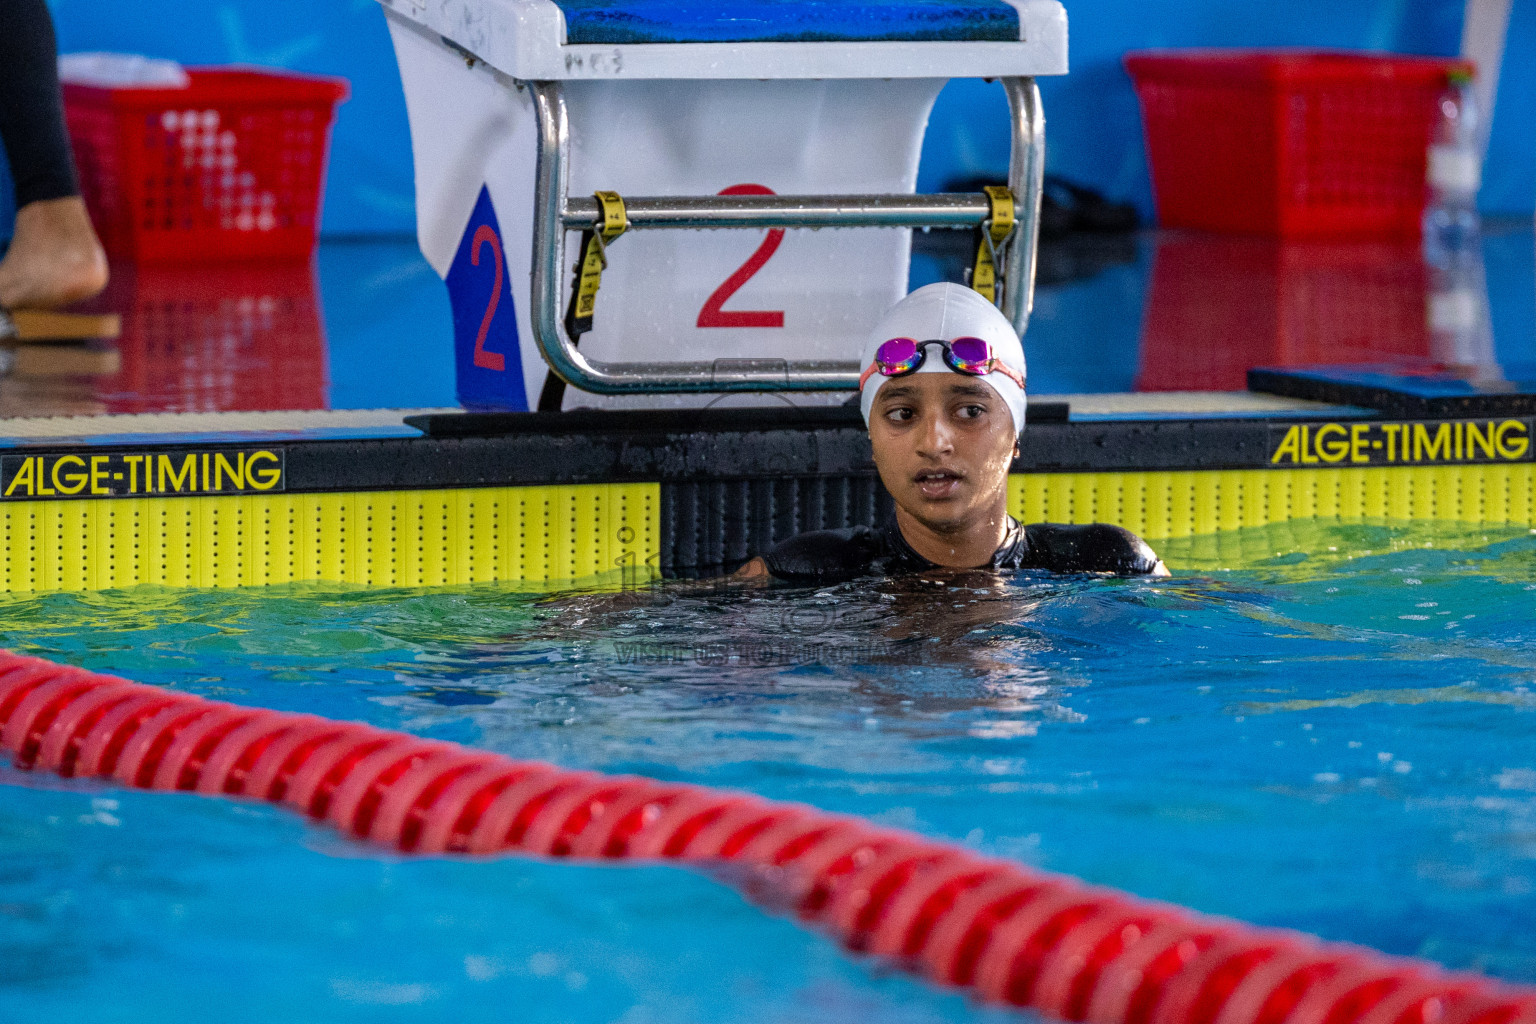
831, 556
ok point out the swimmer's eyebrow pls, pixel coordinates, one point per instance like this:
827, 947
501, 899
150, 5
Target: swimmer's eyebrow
971, 390
957, 389
895, 391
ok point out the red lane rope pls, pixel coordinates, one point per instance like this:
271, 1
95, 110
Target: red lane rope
1003, 931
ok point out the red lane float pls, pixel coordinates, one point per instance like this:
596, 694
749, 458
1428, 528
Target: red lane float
1003, 931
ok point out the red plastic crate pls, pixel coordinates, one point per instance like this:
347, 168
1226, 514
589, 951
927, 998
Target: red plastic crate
231, 167
1303, 144
1219, 305
229, 337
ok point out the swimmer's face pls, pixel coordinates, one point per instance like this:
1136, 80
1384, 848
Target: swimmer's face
943, 443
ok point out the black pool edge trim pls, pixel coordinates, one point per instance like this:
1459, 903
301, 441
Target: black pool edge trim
665, 447
502, 424
1389, 402
658, 449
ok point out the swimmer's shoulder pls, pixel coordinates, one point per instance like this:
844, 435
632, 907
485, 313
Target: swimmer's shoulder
828, 556
825, 556
1089, 547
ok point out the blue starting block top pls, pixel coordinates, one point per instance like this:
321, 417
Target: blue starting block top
559, 40
788, 21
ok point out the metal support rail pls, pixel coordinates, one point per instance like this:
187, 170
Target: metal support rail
556, 213
858, 211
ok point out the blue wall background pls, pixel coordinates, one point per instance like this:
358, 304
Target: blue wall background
1094, 125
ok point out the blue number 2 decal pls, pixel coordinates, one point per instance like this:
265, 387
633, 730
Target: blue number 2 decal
488, 362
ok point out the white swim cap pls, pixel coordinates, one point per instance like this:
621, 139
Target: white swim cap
946, 312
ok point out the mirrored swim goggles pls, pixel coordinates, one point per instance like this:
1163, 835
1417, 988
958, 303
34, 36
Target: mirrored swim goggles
901, 356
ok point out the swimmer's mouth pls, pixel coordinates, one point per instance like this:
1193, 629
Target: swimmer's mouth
938, 483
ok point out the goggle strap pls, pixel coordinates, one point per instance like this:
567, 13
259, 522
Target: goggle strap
998, 366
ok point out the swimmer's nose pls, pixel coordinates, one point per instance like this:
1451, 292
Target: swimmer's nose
936, 438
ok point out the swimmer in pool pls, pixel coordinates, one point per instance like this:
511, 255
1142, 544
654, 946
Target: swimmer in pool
942, 394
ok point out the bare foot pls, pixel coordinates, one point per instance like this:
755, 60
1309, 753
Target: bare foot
54, 258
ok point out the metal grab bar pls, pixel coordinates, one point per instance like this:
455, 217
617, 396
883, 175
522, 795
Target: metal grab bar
965, 210
1026, 180
555, 214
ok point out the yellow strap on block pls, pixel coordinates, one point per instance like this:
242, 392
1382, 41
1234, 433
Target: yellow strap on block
985, 278
593, 261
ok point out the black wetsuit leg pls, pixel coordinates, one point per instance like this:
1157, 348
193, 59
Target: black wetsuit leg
31, 105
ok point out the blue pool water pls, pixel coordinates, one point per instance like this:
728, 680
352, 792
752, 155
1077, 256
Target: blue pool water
1337, 738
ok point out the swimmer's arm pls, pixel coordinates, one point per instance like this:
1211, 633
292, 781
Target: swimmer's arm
1092, 547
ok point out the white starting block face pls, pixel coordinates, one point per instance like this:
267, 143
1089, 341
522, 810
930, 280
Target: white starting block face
658, 108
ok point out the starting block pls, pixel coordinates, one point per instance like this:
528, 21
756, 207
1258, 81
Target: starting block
644, 127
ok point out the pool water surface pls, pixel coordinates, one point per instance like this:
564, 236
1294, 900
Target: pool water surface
1335, 736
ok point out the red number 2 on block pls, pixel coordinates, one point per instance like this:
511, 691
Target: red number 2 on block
712, 315
483, 359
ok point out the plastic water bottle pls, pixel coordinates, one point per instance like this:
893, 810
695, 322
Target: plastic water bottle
1454, 174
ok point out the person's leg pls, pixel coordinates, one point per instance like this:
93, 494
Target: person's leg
54, 257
